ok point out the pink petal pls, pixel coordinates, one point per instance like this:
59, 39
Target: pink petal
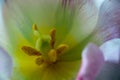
111, 50
92, 60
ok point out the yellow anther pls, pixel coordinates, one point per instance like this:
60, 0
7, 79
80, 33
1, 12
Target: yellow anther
35, 30
30, 51
52, 34
52, 55
34, 27
61, 48
40, 60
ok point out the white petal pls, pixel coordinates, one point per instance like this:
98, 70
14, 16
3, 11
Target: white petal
111, 50
92, 60
5, 65
88, 14
98, 3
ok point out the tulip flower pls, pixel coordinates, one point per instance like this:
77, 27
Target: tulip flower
6, 65
47, 36
94, 58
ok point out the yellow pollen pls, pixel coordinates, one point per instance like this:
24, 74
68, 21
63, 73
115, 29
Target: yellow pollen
35, 30
30, 51
61, 48
52, 55
52, 34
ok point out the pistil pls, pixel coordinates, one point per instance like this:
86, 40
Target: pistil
52, 55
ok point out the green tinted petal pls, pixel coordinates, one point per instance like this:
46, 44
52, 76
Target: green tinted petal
75, 53
64, 21
83, 25
22, 14
17, 22
81, 34
45, 13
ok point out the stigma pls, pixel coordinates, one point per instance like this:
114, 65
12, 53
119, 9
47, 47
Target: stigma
45, 49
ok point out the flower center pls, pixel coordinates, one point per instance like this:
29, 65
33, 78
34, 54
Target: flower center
45, 47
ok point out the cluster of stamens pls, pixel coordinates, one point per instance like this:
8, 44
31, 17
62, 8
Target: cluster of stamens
53, 55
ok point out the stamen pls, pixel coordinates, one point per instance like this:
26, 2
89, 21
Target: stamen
61, 48
39, 60
52, 55
45, 44
52, 34
35, 30
30, 51
38, 44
